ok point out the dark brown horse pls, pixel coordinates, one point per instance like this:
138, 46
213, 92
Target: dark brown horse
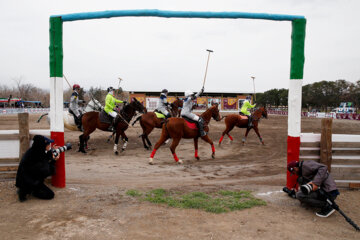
91, 121
177, 128
233, 120
149, 121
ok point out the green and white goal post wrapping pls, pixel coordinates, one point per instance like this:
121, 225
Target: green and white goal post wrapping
56, 69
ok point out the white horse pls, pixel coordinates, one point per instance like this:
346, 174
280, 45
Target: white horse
69, 121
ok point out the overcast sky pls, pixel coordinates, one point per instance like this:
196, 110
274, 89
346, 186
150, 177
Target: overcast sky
155, 53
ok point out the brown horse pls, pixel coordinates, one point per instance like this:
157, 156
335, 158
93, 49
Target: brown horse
233, 120
177, 128
149, 121
91, 121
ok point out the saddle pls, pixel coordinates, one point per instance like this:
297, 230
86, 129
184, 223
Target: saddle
105, 118
159, 114
191, 123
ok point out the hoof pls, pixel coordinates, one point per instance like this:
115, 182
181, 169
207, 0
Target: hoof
231, 141
122, 150
263, 143
116, 153
151, 161
180, 162
197, 158
213, 155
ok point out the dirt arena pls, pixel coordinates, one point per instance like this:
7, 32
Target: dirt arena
94, 204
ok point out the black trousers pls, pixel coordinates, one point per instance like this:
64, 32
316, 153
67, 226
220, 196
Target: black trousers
41, 191
314, 199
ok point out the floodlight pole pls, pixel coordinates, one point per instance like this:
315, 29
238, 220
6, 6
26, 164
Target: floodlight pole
253, 78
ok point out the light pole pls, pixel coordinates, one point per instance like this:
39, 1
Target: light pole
253, 78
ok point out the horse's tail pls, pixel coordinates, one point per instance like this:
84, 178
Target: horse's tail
165, 126
137, 119
41, 117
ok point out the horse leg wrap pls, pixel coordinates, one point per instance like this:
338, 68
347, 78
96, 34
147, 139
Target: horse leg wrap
175, 157
222, 137
196, 153
213, 148
125, 145
231, 138
244, 139
153, 153
115, 147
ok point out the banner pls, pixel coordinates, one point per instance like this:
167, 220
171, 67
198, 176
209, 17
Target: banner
229, 103
214, 100
201, 103
151, 103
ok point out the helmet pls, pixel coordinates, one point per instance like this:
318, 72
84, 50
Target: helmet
248, 97
188, 93
110, 89
76, 86
164, 91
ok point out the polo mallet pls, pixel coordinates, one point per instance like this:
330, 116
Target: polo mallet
253, 78
67, 81
210, 51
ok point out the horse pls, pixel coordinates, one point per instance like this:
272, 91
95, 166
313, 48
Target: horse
233, 120
69, 121
149, 121
177, 128
91, 121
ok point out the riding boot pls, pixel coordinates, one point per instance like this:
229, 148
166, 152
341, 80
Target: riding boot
250, 124
78, 123
114, 123
201, 127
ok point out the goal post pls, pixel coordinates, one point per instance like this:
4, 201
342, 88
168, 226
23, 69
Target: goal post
56, 69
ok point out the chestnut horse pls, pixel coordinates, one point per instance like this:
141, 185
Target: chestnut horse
149, 121
91, 121
177, 128
240, 121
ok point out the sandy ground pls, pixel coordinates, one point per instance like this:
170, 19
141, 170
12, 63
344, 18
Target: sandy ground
94, 204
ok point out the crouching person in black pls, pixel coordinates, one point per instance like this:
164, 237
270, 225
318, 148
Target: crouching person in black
37, 164
316, 185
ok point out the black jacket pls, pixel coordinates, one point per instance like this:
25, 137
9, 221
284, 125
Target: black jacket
35, 165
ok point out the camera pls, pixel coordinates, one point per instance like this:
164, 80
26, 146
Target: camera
306, 189
59, 150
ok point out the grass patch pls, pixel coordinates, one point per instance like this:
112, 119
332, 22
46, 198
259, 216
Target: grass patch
218, 202
134, 193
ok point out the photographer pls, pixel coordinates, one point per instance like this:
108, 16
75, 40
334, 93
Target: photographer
37, 164
316, 185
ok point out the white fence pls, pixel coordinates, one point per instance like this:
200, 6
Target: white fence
23, 110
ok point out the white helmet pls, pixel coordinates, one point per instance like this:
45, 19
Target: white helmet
188, 93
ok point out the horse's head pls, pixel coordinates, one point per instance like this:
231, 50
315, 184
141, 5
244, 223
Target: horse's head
263, 112
137, 106
215, 113
93, 105
178, 103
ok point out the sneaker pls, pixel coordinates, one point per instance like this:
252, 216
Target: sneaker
325, 211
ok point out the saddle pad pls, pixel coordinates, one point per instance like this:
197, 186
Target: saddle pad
242, 117
105, 118
191, 125
159, 115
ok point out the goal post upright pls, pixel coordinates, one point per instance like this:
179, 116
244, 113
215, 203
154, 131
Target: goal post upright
56, 96
295, 94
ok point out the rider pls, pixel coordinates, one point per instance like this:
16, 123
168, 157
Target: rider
188, 106
163, 104
244, 109
110, 102
74, 106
